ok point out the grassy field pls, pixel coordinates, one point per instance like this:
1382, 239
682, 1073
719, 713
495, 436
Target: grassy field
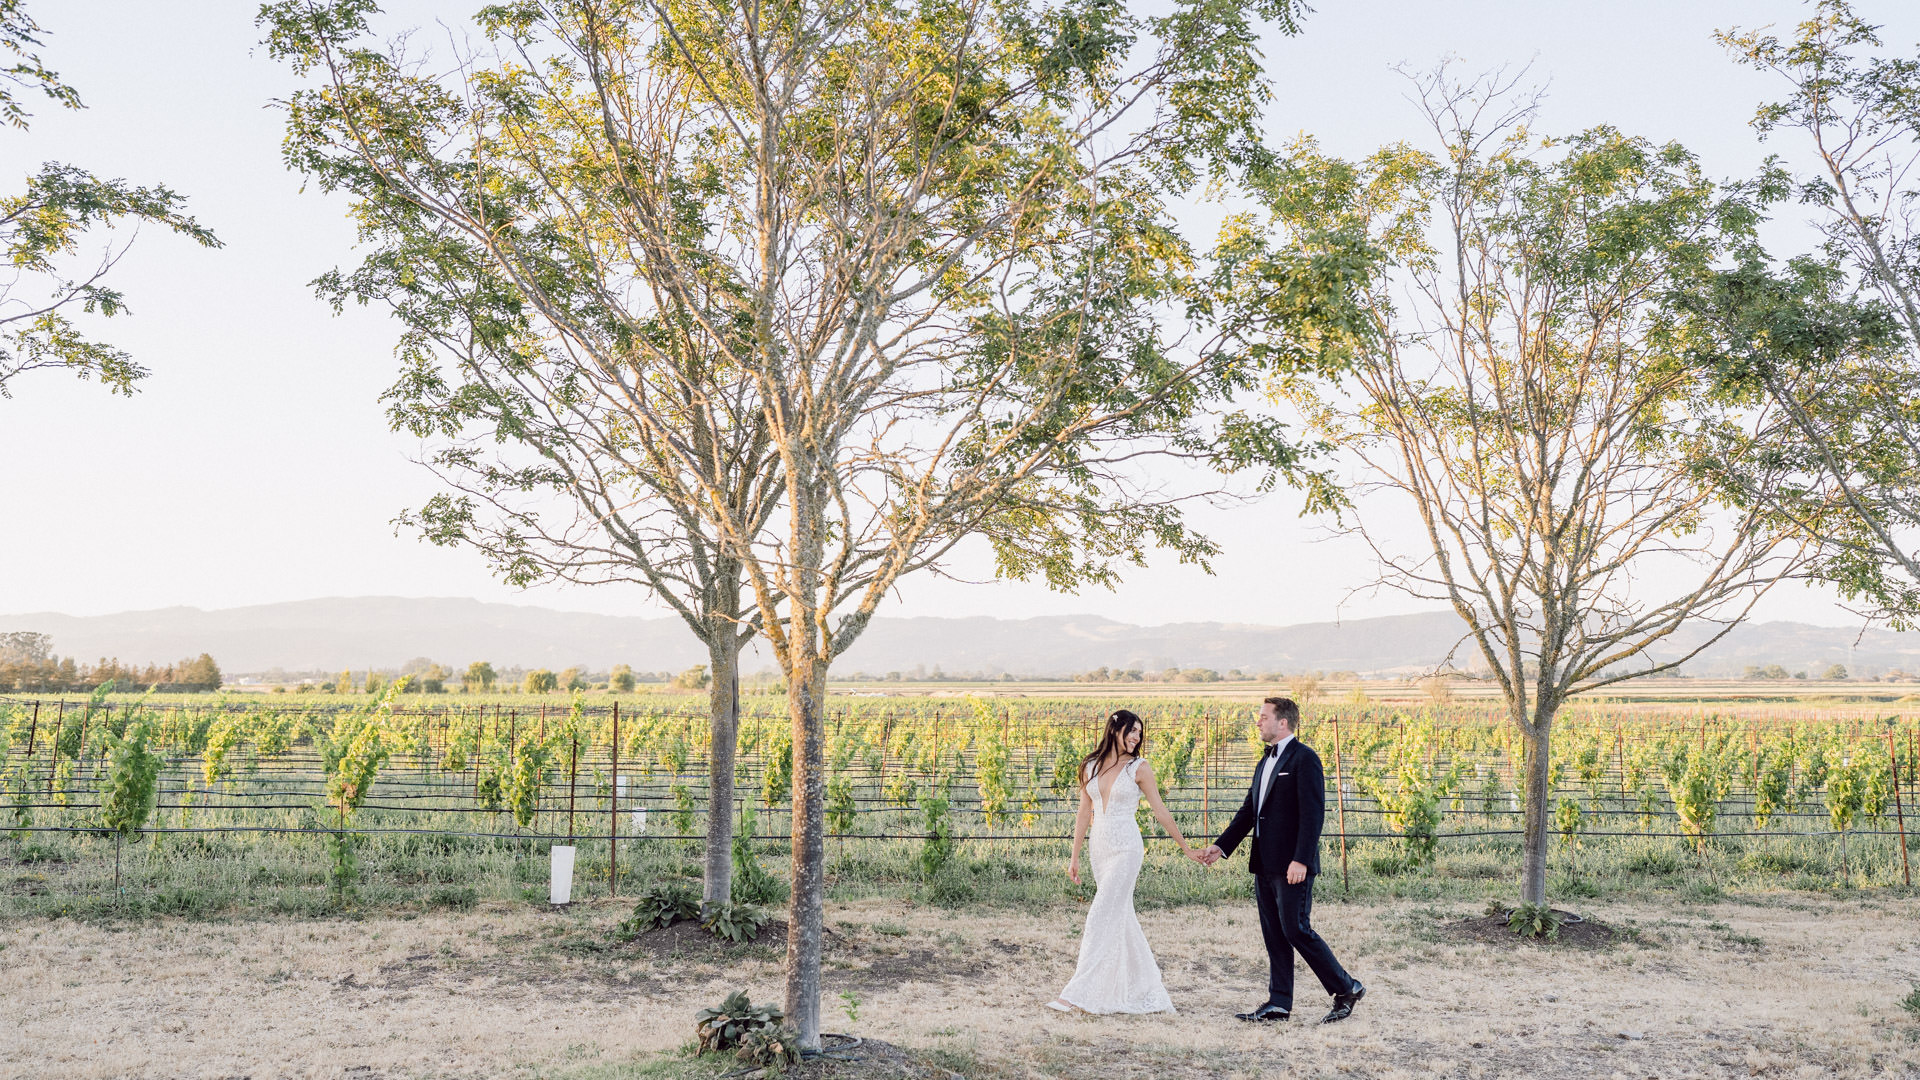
1775, 985
1750, 947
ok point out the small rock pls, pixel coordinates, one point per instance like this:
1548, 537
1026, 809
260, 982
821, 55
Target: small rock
1632, 1034
1553, 997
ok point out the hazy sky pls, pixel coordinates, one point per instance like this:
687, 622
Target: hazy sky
256, 466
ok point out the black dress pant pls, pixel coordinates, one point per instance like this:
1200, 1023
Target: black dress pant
1286, 925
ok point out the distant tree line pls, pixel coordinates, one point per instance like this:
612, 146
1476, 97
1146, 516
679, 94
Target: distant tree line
27, 663
1171, 674
424, 676
1833, 673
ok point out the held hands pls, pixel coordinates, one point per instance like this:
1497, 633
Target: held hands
1207, 856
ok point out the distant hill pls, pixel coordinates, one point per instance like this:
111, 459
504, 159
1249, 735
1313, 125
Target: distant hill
363, 632
371, 631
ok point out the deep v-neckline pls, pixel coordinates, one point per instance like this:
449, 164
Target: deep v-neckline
1106, 794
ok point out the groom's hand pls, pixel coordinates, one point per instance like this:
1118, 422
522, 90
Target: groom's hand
1209, 855
1296, 873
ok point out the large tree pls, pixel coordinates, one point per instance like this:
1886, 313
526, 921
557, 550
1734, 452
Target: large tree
1527, 396
922, 260
583, 411
1833, 341
41, 229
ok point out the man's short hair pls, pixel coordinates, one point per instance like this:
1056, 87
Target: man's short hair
1285, 709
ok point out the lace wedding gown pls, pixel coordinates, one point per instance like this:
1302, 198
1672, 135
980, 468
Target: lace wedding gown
1117, 972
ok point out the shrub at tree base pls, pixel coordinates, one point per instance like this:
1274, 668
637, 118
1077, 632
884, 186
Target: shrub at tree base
755, 1033
661, 905
1534, 920
737, 923
772, 1048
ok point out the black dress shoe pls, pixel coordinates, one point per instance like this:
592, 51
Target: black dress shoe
1343, 1004
1264, 1014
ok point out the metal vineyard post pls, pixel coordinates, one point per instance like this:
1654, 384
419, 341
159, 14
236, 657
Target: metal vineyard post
1340, 797
1620, 756
1206, 779
613, 816
1900, 814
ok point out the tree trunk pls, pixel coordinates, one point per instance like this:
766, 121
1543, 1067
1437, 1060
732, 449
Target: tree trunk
1533, 873
723, 651
806, 685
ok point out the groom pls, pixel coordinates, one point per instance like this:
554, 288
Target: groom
1284, 811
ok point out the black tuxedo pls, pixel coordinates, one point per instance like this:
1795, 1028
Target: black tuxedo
1286, 829
1290, 819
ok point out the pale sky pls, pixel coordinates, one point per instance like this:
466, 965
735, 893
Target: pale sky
256, 466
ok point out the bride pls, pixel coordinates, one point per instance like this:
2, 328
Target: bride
1117, 972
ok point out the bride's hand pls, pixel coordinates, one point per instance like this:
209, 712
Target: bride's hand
1073, 871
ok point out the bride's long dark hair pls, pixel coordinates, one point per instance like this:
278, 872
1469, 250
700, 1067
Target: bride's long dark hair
1119, 722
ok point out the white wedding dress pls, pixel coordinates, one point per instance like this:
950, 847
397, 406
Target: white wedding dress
1117, 972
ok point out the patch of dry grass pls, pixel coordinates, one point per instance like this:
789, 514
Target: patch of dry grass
1803, 987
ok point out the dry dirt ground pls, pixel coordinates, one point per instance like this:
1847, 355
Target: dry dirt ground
1793, 987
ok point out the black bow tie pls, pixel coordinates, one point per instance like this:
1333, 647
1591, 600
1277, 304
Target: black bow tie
1271, 751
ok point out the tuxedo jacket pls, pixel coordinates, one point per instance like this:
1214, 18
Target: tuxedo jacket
1291, 819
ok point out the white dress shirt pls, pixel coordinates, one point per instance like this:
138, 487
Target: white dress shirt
1267, 766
